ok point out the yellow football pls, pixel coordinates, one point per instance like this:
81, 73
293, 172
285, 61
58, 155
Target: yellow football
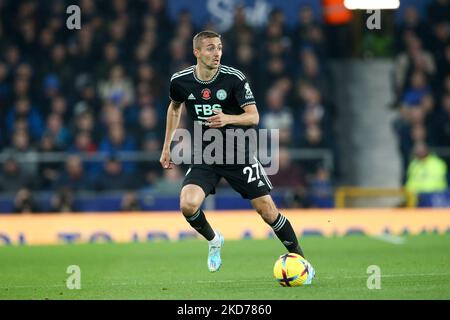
291, 270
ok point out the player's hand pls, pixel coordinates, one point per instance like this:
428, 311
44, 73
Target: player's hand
165, 160
219, 120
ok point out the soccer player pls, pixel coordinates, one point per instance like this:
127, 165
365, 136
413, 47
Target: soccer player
219, 97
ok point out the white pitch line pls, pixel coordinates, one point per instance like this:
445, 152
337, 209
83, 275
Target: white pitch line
390, 238
333, 278
134, 283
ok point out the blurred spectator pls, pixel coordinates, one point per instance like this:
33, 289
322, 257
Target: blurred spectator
63, 200
117, 89
84, 120
184, 29
278, 116
312, 112
291, 178
311, 72
426, 172
149, 178
320, 190
239, 26
24, 71
87, 95
171, 182
82, 143
55, 128
313, 138
178, 56
49, 172
150, 171
298, 199
439, 11
148, 50
117, 141
12, 56
245, 59
411, 24
289, 174
439, 41
285, 85
149, 126
58, 105
114, 177
12, 177
111, 115
73, 176
418, 89
309, 34
415, 58
442, 128
24, 202
22, 150
5, 87
275, 68
46, 40
130, 202
23, 109
158, 9
409, 118
21, 88
305, 23
111, 58
147, 74
58, 65
51, 87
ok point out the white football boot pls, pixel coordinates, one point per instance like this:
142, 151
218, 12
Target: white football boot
214, 259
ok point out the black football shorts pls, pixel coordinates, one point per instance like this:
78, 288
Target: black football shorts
250, 180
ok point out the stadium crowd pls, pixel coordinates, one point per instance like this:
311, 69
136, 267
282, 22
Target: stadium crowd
422, 84
104, 88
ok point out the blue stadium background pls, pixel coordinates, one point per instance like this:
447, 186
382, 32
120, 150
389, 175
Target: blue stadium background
83, 111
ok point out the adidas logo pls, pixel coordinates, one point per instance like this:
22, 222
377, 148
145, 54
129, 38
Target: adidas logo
287, 243
191, 97
260, 184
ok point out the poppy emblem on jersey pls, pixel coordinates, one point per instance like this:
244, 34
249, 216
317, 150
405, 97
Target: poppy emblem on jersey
206, 94
221, 94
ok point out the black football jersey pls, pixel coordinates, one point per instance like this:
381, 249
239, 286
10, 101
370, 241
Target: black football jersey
228, 91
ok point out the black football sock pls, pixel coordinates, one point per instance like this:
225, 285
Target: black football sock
198, 222
283, 229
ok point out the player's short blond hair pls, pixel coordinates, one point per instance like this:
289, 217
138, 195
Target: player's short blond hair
203, 35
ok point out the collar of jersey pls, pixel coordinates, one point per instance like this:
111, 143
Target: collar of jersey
209, 81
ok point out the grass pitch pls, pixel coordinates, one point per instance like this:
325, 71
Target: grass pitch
417, 269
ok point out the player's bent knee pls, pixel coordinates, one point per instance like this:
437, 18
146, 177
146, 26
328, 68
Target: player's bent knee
190, 200
189, 207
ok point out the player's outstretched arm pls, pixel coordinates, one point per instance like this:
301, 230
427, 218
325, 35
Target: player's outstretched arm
172, 122
249, 118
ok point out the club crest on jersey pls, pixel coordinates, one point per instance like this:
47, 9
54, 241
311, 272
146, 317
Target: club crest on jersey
221, 94
206, 94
